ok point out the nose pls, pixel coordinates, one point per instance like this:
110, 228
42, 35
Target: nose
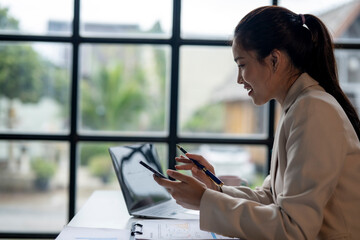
240, 80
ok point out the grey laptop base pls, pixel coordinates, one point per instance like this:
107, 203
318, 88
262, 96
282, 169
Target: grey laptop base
143, 196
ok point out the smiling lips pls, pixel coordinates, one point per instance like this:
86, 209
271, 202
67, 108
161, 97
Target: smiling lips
248, 88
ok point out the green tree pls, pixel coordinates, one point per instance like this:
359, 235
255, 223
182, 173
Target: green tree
112, 101
21, 72
125, 95
209, 118
25, 75
56, 85
7, 22
158, 104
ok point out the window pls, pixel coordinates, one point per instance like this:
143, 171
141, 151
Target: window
77, 77
124, 89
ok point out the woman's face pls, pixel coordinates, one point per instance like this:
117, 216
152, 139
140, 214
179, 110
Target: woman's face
257, 77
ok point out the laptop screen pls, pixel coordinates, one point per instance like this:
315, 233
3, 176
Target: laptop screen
137, 184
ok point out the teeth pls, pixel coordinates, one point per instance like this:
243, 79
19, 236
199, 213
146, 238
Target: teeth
247, 87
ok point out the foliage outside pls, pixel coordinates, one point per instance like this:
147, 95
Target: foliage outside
110, 102
42, 168
27, 76
89, 150
101, 166
127, 95
207, 119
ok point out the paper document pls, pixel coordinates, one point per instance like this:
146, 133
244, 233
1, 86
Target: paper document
174, 229
81, 233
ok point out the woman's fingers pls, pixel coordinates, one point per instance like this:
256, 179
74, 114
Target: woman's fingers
201, 160
187, 191
198, 158
200, 175
179, 176
196, 172
188, 163
183, 159
184, 166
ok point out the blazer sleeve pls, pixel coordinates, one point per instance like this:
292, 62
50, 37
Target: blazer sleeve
260, 194
315, 150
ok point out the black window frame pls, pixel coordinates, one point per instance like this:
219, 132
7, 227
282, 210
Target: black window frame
73, 138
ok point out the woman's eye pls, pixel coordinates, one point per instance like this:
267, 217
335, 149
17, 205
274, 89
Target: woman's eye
241, 65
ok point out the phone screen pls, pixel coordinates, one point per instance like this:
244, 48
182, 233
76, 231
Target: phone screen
156, 172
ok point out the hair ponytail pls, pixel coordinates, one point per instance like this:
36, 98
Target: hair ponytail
322, 67
308, 45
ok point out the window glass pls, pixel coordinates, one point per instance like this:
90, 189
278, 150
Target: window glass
124, 18
214, 19
33, 186
124, 88
348, 63
34, 87
95, 168
340, 16
38, 17
210, 100
244, 161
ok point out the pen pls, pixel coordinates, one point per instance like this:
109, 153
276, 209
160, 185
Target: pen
216, 180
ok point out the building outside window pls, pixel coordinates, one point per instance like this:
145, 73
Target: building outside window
77, 77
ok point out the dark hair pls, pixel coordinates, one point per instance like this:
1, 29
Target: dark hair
309, 47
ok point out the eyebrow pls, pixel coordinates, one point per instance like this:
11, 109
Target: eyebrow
237, 58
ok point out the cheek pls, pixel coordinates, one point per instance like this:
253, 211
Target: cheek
248, 75
243, 73
268, 81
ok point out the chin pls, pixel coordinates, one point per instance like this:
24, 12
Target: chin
258, 102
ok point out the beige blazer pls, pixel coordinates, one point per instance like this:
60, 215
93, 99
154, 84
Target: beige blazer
313, 190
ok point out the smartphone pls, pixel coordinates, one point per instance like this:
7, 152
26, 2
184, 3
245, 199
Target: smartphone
156, 172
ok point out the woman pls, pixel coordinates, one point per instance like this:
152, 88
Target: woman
312, 190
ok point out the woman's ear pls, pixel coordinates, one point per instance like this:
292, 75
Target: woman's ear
275, 57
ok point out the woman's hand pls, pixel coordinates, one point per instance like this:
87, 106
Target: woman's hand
196, 172
187, 191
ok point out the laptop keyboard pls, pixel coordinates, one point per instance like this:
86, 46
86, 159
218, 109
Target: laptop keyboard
169, 209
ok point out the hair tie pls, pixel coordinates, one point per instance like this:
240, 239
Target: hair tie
302, 18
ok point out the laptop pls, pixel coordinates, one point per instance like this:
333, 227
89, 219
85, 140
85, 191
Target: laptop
143, 196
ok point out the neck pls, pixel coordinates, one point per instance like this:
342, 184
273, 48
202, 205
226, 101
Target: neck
289, 80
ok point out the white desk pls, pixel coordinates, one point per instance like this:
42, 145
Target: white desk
104, 209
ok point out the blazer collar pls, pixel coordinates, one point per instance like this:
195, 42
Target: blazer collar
304, 81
